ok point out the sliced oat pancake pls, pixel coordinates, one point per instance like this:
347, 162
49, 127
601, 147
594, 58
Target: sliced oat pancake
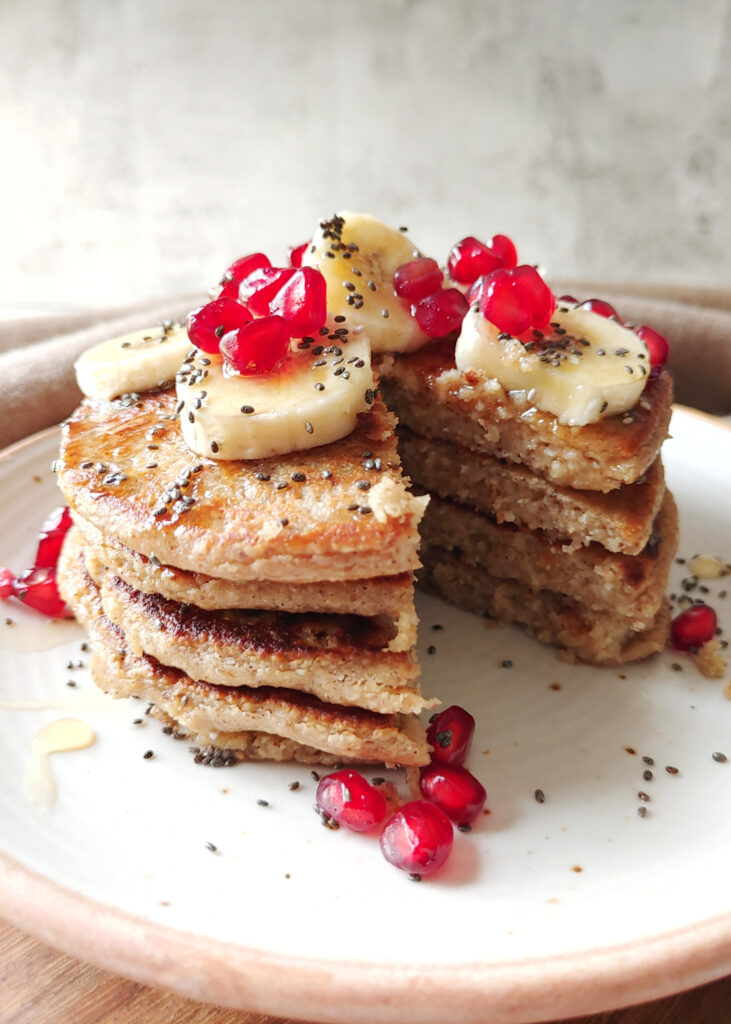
434, 399
620, 520
550, 617
337, 512
628, 587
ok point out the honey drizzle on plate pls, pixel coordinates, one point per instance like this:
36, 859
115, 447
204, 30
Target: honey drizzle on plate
61, 736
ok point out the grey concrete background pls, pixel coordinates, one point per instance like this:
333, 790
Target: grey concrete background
146, 143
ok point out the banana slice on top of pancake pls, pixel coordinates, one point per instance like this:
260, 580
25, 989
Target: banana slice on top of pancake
581, 368
357, 255
313, 398
139, 361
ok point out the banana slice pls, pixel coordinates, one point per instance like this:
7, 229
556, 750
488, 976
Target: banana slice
357, 255
585, 368
313, 399
138, 361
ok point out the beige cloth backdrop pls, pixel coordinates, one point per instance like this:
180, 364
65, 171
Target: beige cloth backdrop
37, 354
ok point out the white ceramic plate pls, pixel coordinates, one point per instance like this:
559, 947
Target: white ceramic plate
545, 910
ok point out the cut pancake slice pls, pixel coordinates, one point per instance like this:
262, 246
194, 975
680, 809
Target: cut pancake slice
552, 618
620, 521
232, 718
626, 587
337, 512
432, 398
390, 599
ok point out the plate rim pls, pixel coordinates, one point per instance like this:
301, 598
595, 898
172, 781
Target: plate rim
212, 971
209, 970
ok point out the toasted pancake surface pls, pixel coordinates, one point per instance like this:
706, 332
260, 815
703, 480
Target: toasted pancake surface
336, 512
204, 708
387, 597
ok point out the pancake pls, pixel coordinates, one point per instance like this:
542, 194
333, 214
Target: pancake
389, 598
337, 512
620, 521
550, 617
433, 399
629, 587
228, 715
338, 658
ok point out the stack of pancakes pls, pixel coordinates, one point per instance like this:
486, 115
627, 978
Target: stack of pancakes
263, 608
567, 531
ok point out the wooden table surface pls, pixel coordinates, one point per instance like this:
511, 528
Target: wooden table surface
39, 984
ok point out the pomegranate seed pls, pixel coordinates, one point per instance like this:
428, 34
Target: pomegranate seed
238, 271
7, 583
441, 313
37, 588
51, 536
302, 301
568, 299
693, 627
602, 308
517, 299
503, 247
418, 838
454, 790
657, 347
259, 288
450, 734
208, 324
474, 292
350, 800
296, 254
257, 347
470, 258
416, 280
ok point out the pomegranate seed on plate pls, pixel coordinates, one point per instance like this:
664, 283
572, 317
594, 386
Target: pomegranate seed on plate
658, 347
517, 299
257, 347
350, 800
602, 308
450, 734
693, 627
51, 536
569, 299
238, 271
207, 324
442, 312
503, 247
418, 838
7, 583
454, 790
302, 301
259, 288
296, 253
470, 258
37, 588
417, 279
